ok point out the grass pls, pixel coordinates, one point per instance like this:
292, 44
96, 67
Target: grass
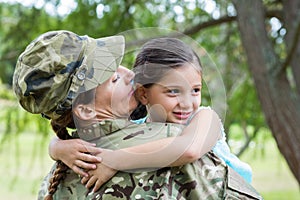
24, 162
271, 176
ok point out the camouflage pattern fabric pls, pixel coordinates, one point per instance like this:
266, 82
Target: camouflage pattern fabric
58, 65
206, 178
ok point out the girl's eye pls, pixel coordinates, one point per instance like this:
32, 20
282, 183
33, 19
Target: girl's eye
196, 90
115, 78
173, 91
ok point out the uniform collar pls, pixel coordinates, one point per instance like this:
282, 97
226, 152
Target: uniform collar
100, 129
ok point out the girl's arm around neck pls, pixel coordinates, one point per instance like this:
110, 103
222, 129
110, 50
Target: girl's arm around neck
196, 139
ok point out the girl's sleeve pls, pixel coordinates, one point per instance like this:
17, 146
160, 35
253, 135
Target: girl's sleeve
223, 151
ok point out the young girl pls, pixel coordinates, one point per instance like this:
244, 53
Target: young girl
173, 81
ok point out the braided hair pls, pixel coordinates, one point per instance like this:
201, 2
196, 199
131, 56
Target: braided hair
60, 126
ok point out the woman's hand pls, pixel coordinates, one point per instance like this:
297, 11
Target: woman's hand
77, 154
98, 177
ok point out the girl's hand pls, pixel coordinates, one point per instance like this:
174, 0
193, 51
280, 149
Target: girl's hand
77, 154
98, 177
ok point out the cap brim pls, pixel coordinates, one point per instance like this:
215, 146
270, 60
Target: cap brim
104, 60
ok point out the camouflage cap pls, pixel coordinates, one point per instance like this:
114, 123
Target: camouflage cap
58, 65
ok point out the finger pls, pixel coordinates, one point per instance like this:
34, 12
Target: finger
85, 165
98, 184
90, 158
84, 180
92, 149
79, 171
91, 182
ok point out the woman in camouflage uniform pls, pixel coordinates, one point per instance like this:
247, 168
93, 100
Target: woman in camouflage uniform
59, 67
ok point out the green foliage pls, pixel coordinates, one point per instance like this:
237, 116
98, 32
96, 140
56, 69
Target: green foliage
281, 194
14, 120
5, 92
251, 111
101, 18
21, 25
97, 18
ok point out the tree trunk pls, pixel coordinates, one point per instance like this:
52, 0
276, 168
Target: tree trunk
279, 101
292, 24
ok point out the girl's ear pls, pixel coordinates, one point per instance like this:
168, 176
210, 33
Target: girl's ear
141, 94
85, 112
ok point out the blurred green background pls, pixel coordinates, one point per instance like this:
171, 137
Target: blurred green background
251, 77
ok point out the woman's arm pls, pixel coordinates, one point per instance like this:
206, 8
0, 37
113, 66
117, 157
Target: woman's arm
196, 139
77, 154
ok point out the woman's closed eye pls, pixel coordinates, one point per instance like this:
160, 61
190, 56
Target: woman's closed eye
116, 77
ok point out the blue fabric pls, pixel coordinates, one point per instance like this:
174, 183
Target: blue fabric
223, 151
140, 121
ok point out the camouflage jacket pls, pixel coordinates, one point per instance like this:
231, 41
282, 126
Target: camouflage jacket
207, 178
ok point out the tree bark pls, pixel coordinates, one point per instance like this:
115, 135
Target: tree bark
292, 24
279, 101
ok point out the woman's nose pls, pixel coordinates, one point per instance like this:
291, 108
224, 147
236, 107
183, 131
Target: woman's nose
128, 74
129, 77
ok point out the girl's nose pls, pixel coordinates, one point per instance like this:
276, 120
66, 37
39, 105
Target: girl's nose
186, 102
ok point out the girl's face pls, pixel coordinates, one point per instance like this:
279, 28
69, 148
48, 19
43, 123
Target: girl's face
115, 97
175, 97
